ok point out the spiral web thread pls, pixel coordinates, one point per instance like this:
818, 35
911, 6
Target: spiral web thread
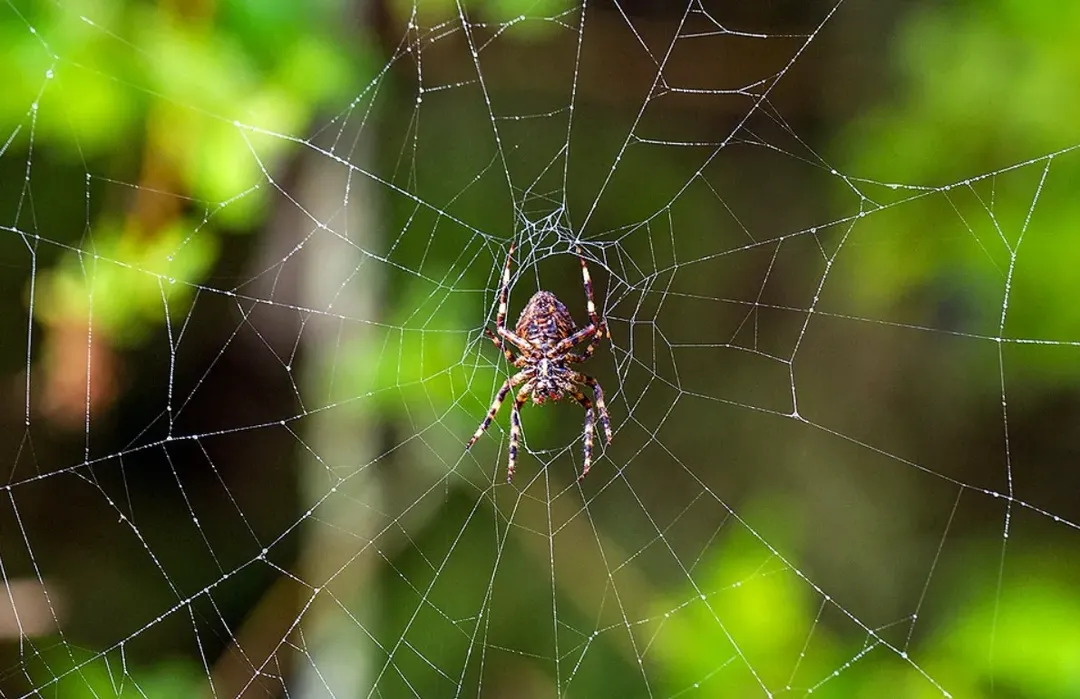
659, 375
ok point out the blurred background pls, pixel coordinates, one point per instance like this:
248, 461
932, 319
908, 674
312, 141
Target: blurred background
248, 249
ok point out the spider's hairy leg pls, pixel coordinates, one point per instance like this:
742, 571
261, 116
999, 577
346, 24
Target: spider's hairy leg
515, 428
500, 316
590, 331
588, 351
598, 392
589, 304
587, 404
504, 292
499, 398
596, 328
498, 343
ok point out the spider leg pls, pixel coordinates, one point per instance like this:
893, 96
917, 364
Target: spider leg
499, 398
515, 428
522, 344
598, 392
593, 318
596, 329
504, 291
500, 317
588, 351
498, 343
587, 404
567, 343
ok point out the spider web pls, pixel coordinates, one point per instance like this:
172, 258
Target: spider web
842, 388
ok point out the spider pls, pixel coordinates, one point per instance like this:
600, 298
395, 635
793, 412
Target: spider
544, 337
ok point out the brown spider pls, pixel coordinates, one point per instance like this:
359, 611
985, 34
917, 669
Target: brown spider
544, 336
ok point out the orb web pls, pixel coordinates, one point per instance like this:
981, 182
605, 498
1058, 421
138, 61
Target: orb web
841, 370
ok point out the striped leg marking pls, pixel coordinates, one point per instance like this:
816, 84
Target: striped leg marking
505, 350
515, 429
589, 349
598, 392
499, 398
500, 317
504, 292
589, 304
589, 331
594, 331
587, 404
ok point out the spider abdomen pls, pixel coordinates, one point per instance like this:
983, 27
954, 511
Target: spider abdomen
544, 321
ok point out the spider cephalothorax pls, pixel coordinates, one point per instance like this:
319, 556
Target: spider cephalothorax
544, 337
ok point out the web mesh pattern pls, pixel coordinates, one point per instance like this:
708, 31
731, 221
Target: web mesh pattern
840, 378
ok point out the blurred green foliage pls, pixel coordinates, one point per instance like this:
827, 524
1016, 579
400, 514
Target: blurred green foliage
123, 77
128, 299
431, 12
96, 83
61, 672
979, 88
752, 621
1019, 638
